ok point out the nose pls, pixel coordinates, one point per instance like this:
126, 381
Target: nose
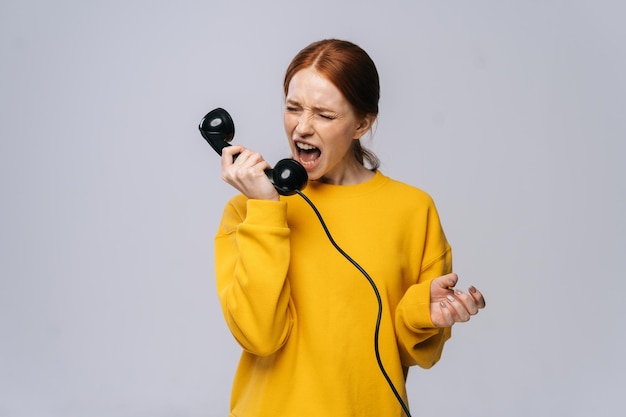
305, 125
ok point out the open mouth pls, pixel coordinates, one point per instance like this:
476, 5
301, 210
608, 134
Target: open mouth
307, 154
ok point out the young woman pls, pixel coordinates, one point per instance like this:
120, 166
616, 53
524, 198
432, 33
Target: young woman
305, 316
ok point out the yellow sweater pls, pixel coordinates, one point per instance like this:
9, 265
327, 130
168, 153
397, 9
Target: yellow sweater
305, 316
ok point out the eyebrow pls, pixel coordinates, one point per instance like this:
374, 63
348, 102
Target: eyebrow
315, 108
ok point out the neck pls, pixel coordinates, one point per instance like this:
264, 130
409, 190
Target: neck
353, 175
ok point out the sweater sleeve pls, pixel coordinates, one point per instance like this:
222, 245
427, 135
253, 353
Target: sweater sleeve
251, 261
419, 341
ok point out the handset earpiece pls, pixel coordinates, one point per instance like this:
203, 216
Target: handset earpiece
217, 127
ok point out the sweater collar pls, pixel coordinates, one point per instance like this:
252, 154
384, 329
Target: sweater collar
322, 190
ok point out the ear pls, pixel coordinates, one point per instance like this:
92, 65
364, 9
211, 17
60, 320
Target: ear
364, 125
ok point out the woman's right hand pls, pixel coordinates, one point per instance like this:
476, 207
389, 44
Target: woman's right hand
247, 173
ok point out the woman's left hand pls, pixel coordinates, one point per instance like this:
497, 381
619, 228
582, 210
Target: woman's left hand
449, 305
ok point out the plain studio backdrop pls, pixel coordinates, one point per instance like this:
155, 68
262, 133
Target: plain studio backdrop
511, 114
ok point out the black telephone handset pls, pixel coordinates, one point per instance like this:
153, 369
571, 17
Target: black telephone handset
217, 127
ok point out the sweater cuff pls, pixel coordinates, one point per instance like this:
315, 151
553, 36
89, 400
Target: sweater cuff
266, 213
417, 309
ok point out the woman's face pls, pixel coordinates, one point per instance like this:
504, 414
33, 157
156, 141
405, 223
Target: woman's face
321, 126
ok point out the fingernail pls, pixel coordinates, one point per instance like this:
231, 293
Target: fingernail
451, 298
457, 292
443, 305
472, 289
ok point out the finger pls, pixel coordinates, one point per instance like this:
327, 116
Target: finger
441, 287
262, 164
460, 312
252, 160
478, 297
228, 154
467, 300
446, 281
446, 314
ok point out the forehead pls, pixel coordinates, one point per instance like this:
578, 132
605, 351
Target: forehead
309, 88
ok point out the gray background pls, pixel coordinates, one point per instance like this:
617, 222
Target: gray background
509, 113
